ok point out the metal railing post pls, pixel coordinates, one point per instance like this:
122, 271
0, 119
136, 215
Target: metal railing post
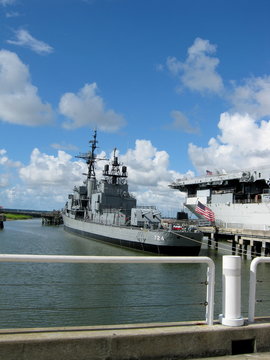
209, 314
252, 285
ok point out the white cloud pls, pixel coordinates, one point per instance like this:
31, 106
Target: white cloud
48, 170
86, 108
149, 177
145, 163
4, 180
181, 123
7, 169
159, 67
47, 180
7, 2
243, 143
24, 38
252, 97
5, 161
24, 198
198, 72
64, 146
12, 14
19, 100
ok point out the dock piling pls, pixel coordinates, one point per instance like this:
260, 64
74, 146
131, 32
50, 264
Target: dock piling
244, 242
2, 219
52, 218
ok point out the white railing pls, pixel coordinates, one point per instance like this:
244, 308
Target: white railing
209, 313
252, 285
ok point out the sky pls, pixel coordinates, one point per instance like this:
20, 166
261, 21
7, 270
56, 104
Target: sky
177, 86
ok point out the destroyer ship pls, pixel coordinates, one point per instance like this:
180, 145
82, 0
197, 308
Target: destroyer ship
104, 210
239, 199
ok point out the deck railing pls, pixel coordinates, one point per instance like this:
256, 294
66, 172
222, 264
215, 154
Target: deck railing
210, 282
209, 302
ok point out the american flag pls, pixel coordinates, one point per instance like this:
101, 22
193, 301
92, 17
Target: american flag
205, 211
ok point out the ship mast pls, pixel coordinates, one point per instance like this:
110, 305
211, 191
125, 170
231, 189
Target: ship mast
90, 157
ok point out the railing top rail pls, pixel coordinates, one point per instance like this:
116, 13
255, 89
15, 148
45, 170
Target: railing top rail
103, 259
106, 259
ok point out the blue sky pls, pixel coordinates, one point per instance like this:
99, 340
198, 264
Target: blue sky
178, 86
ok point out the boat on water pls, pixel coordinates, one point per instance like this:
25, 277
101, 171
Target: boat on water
105, 210
238, 200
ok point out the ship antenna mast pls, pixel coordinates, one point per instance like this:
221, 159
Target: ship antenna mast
90, 157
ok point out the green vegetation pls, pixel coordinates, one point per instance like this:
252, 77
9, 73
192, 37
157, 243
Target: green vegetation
17, 217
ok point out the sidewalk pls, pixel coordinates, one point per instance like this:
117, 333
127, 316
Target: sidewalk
255, 356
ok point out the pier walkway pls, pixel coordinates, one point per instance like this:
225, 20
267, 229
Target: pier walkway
171, 341
255, 356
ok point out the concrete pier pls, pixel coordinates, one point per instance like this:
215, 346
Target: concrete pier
257, 241
168, 341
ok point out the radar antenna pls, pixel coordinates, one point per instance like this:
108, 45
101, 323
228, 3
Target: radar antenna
115, 175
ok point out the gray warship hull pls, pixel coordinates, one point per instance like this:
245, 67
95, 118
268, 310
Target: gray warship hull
159, 241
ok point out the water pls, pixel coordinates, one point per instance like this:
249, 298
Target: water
41, 295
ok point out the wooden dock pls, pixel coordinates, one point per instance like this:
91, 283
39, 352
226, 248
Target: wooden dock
52, 218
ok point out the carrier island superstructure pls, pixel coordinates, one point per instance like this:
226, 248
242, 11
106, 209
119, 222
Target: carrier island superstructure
105, 210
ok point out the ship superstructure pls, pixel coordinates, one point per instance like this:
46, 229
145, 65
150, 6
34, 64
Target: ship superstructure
239, 199
105, 210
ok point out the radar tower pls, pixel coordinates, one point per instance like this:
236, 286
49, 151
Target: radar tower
116, 175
